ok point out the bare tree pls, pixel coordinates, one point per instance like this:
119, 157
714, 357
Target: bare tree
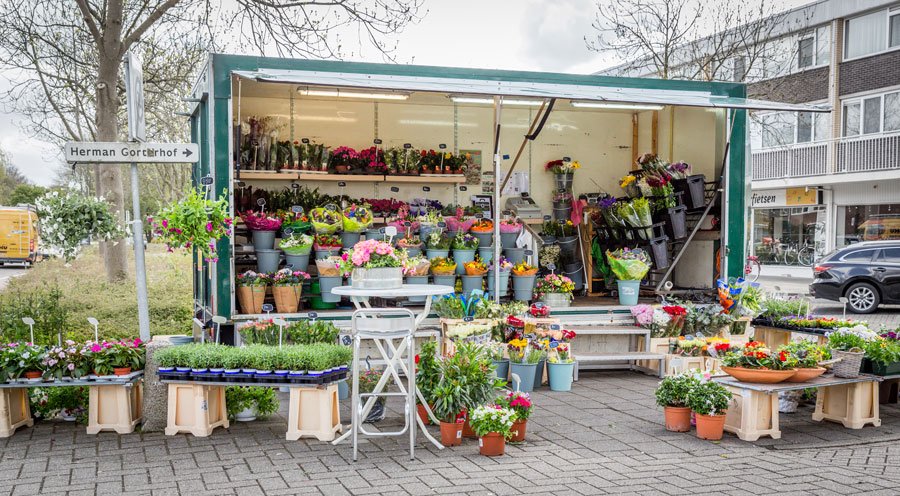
69, 55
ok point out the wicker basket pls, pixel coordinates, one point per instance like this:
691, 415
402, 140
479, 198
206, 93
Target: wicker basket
849, 364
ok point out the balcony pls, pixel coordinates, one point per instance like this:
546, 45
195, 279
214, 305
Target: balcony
871, 153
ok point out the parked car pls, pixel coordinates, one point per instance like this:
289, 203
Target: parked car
867, 274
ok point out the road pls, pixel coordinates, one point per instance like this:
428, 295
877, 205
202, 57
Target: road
7, 273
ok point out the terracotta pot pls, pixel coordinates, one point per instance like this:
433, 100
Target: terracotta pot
518, 431
121, 370
342, 169
678, 418
451, 433
759, 376
710, 427
808, 374
287, 298
251, 298
492, 444
33, 374
467, 430
423, 414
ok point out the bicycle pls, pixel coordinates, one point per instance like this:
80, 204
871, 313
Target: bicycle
752, 268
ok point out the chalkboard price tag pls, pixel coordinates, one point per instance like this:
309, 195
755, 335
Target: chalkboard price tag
312, 315
332, 207
261, 202
561, 190
206, 180
547, 218
468, 319
377, 141
305, 141
346, 340
529, 252
239, 184
407, 223
407, 146
551, 266
426, 189
592, 200
289, 230
479, 215
442, 224
442, 146
567, 159
267, 307
381, 230
395, 189
505, 157
342, 184
525, 194
538, 304
463, 188
554, 327
554, 344
295, 186
297, 209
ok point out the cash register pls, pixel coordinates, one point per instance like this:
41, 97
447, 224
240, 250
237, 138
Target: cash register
523, 206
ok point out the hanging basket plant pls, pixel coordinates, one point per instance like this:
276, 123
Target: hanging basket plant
194, 222
68, 218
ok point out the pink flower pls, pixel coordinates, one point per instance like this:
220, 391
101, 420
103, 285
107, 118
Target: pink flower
209, 227
165, 223
71, 366
96, 348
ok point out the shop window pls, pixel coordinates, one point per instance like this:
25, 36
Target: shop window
789, 236
806, 53
892, 110
857, 223
872, 115
890, 255
851, 119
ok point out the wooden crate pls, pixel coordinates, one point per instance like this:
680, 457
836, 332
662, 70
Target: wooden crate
314, 413
196, 409
853, 405
447, 345
15, 411
657, 345
114, 408
752, 414
678, 364
772, 336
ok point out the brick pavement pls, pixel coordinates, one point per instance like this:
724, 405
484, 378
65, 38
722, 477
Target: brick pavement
605, 437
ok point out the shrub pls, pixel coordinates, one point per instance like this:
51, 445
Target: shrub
43, 304
262, 399
674, 390
709, 398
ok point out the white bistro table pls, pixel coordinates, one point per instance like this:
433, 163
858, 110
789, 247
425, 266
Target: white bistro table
360, 299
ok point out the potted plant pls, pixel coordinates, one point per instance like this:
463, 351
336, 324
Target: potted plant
672, 394
884, 355
449, 402
757, 363
411, 243
458, 219
263, 227
522, 405
415, 270
554, 290
437, 245
194, 222
343, 158
505, 268
629, 266
356, 219
246, 403
806, 356
492, 425
473, 277
287, 285
709, 401
523, 276
560, 362
563, 172
326, 245
523, 361
444, 271
24, 360
373, 264
848, 345
251, 291
464, 246
427, 376
483, 230
510, 229
297, 248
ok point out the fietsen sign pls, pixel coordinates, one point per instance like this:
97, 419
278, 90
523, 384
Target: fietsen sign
789, 197
91, 152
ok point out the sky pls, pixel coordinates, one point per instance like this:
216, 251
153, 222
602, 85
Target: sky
538, 35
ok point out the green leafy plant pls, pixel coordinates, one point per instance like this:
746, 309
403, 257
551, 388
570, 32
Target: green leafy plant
194, 222
68, 218
427, 370
466, 381
674, 390
883, 351
709, 398
49, 402
44, 304
261, 399
850, 338
492, 418
806, 353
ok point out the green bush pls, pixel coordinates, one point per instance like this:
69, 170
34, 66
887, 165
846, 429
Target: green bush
43, 304
262, 399
709, 398
674, 390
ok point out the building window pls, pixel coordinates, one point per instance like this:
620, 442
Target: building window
872, 115
805, 53
857, 223
738, 68
892, 112
823, 45
780, 234
822, 127
871, 33
851, 119
895, 31
804, 127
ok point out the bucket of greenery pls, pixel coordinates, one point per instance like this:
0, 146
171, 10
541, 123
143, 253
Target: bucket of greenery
492, 424
672, 395
709, 401
521, 404
247, 403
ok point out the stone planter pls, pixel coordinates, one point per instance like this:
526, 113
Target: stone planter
349, 239
326, 284
484, 238
523, 287
461, 257
267, 261
417, 280
298, 262
263, 240
445, 280
287, 298
504, 283
472, 283
378, 278
508, 240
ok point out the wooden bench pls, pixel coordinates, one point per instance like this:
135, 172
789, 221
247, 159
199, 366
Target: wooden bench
754, 413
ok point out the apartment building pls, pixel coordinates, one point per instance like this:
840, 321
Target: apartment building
820, 180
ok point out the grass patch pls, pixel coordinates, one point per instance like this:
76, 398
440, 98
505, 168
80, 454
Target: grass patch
83, 292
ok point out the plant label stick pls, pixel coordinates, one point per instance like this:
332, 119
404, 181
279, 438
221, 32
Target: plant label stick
94, 322
262, 203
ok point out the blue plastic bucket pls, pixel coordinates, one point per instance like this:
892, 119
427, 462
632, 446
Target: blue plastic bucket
628, 292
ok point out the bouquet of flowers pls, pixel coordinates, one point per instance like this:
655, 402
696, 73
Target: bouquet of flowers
503, 265
457, 219
464, 241
554, 283
679, 170
511, 225
357, 218
297, 222
627, 264
288, 277
677, 315
740, 297
251, 278
330, 266
372, 254
523, 268
261, 221
609, 209
654, 318
297, 244
689, 347
483, 226
325, 220
661, 188
637, 214
410, 241
443, 266
475, 268
629, 184
326, 242
437, 241
415, 266
517, 349
562, 166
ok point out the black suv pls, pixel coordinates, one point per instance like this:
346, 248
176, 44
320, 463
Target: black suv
867, 274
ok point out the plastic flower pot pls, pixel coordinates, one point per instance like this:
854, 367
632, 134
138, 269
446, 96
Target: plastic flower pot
557, 300
298, 262
461, 257
564, 181
445, 280
348, 239
678, 418
451, 433
492, 444
417, 280
467, 430
504, 282
263, 240
561, 375
628, 292
425, 230
523, 287
472, 283
518, 431
287, 298
323, 254
526, 372
502, 368
431, 254
267, 261
413, 252
576, 274
514, 255
326, 284
486, 254
691, 189
316, 302
508, 240
484, 238
567, 244
423, 414
562, 210
710, 427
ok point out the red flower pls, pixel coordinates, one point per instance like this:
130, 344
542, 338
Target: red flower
417, 359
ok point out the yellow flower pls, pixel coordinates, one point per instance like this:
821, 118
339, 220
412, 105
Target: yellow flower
626, 181
576, 165
448, 156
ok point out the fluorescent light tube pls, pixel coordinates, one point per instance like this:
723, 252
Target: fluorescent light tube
617, 106
337, 93
490, 101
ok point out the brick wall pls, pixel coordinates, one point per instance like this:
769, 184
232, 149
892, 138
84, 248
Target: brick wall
807, 86
870, 73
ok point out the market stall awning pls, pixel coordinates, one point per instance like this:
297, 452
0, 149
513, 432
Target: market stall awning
521, 89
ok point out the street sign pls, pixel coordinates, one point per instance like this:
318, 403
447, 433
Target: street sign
134, 97
120, 153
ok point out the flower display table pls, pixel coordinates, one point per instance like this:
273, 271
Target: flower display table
754, 412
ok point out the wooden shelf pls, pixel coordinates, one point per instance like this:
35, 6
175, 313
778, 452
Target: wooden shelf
448, 179
350, 178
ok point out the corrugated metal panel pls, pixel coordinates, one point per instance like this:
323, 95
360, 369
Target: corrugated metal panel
520, 89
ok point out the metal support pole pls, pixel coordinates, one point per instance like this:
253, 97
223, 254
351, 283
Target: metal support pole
498, 106
140, 269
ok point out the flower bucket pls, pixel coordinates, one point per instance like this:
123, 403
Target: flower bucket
267, 261
525, 371
710, 427
561, 375
492, 444
263, 240
849, 364
628, 292
484, 238
445, 280
343, 390
523, 287
562, 210
518, 431
514, 255
691, 189
323, 254
326, 284
316, 302
431, 254
413, 252
564, 181
678, 418
251, 298
378, 278
417, 280
502, 369
557, 300
451, 433
425, 230
348, 239
674, 219
472, 283
567, 244
461, 257
548, 239
486, 254
508, 240
298, 262
287, 298
504, 283
575, 272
